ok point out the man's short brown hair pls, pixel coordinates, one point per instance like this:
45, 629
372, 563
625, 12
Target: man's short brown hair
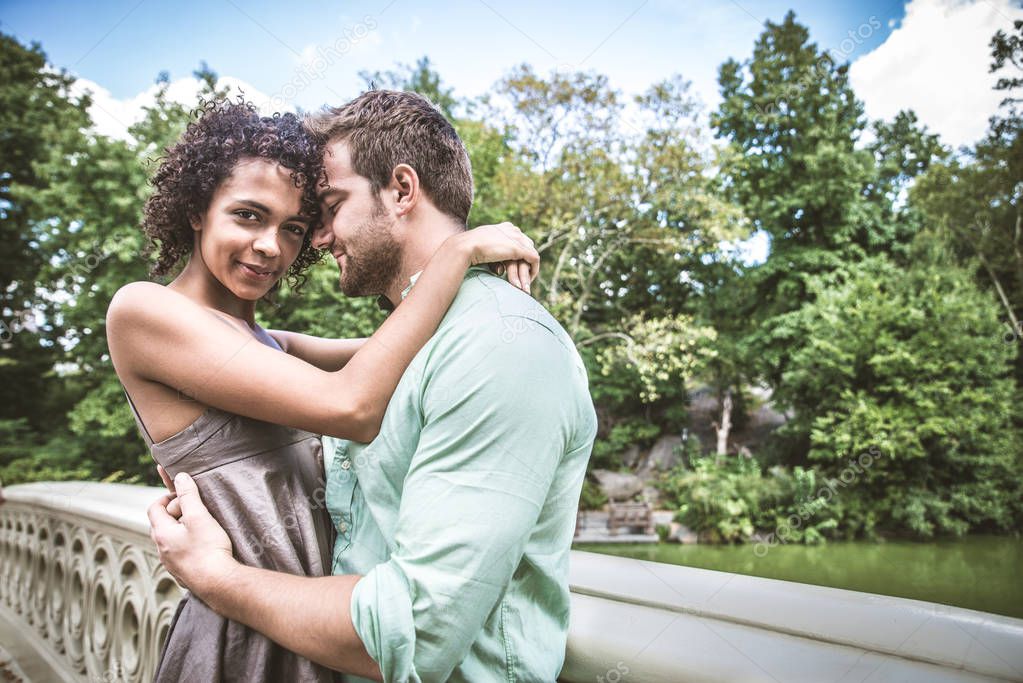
384, 128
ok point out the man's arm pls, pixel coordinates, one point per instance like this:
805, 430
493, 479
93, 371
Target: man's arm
498, 414
307, 615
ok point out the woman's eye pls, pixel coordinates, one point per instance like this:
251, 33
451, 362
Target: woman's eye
296, 229
247, 215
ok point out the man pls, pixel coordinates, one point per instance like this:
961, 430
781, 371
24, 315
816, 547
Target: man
454, 525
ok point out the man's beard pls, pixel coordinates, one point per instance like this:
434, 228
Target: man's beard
373, 257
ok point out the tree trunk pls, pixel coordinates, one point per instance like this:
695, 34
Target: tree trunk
725, 426
1001, 294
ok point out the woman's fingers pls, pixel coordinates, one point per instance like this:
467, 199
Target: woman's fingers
509, 251
513, 273
523, 269
519, 273
166, 478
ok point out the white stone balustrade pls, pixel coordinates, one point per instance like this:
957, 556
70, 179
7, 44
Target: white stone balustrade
85, 599
78, 568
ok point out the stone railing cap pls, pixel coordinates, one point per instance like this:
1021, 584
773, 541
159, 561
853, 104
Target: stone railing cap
121, 505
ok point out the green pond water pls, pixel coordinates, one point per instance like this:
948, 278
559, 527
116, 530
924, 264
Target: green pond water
978, 572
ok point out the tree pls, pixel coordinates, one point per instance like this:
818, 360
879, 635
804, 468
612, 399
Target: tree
626, 217
795, 165
791, 122
909, 366
975, 199
39, 120
794, 119
420, 78
903, 150
84, 228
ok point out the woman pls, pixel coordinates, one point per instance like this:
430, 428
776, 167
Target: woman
213, 393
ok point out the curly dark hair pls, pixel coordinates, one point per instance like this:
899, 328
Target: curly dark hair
222, 134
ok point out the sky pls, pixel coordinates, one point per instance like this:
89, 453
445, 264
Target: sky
928, 55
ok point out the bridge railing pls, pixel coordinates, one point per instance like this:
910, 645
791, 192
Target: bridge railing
78, 568
84, 598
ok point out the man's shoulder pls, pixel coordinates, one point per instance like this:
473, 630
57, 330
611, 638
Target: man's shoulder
488, 307
494, 332
497, 340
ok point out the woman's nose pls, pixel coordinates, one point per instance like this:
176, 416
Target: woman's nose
266, 244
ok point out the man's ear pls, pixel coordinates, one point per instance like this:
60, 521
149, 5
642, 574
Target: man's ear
405, 185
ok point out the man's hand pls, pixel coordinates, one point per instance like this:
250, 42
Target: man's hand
307, 615
195, 549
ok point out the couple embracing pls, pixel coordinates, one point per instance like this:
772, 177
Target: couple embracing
450, 453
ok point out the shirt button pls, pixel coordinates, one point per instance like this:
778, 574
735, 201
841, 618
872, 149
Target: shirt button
342, 527
345, 464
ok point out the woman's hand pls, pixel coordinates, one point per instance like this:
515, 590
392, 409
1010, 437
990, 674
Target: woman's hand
502, 243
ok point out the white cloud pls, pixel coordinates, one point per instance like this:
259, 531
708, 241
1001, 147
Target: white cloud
112, 117
323, 64
936, 63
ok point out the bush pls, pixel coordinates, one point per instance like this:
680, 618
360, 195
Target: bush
800, 512
592, 497
627, 433
728, 500
910, 365
718, 500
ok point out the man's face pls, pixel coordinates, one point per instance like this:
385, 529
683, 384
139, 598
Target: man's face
358, 228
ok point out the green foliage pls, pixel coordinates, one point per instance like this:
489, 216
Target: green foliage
1007, 51
878, 320
800, 510
77, 197
792, 114
658, 353
630, 432
420, 78
27, 456
39, 119
718, 502
592, 497
910, 362
729, 499
974, 200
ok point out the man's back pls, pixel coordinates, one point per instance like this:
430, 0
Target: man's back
462, 511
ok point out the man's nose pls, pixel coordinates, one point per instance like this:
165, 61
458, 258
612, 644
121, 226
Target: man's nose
323, 236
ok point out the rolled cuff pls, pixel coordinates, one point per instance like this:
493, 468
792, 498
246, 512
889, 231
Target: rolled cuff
382, 614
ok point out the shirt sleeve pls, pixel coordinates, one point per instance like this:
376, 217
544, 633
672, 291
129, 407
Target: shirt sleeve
498, 415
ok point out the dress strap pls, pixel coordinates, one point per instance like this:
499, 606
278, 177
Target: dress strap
138, 419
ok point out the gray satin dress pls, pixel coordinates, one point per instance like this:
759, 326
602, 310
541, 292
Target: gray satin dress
264, 484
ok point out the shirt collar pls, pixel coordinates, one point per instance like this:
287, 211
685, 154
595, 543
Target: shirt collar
385, 304
411, 284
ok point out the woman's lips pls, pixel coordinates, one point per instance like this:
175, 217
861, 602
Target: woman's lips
255, 273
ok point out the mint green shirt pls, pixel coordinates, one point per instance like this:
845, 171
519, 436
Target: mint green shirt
461, 513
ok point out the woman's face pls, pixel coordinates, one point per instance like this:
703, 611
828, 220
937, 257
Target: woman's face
251, 232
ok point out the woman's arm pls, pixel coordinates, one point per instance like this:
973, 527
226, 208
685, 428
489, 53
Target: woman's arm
323, 352
162, 336
331, 354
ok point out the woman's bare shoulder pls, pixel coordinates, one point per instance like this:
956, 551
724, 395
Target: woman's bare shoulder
144, 300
